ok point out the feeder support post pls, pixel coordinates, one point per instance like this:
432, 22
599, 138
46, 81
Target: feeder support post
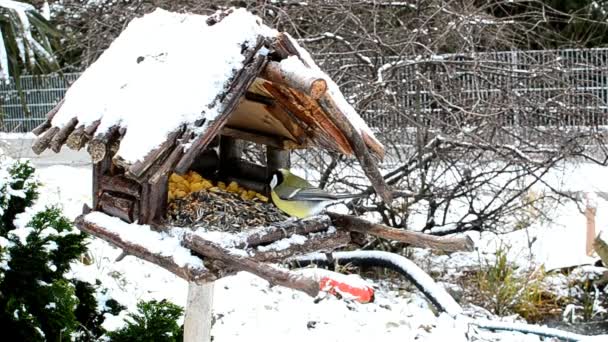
199, 313
276, 159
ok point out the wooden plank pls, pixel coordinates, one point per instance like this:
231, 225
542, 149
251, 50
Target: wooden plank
49, 118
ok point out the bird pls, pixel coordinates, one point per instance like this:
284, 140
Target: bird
296, 197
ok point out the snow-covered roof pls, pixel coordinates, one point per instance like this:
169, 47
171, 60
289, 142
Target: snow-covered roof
171, 71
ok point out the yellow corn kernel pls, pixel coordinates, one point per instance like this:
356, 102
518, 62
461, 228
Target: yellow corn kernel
261, 197
221, 185
182, 187
233, 187
176, 178
214, 189
195, 177
251, 193
180, 193
196, 187
206, 184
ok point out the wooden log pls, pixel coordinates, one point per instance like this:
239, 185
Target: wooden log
62, 135
266, 235
141, 251
355, 224
123, 208
157, 203
77, 139
276, 159
272, 274
92, 128
324, 242
253, 65
100, 169
120, 184
245, 170
42, 142
49, 118
312, 86
100, 145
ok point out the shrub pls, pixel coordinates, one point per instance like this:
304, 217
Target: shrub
154, 321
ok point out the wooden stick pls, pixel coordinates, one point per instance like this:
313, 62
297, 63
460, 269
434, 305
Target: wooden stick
276, 159
43, 141
62, 135
49, 118
355, 224
312, 86
273, 275
141, 251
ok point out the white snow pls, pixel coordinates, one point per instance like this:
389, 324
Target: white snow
247, 308
165, 69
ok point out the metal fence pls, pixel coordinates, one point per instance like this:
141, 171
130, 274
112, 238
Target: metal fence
23, 110
547, 88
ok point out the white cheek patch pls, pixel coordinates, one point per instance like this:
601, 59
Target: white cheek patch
273, 181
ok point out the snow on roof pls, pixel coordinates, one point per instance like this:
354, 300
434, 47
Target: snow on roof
164, 70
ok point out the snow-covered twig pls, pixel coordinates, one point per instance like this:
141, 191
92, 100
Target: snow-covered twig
435, 293
537, 330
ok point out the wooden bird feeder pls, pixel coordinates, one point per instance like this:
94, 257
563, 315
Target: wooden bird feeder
277, 97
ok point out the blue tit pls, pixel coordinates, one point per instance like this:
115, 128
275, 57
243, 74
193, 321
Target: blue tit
296, 197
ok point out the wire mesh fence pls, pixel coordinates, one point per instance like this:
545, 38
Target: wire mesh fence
23, 110
530, 89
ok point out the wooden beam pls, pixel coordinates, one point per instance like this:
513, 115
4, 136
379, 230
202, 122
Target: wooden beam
138, 170
273, 275
355, 224
141, 251
99, 146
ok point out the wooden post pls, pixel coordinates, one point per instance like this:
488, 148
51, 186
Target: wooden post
230, 150
199, 313
590, 211
276, 159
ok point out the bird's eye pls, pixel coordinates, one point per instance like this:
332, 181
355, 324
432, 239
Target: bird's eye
274, 181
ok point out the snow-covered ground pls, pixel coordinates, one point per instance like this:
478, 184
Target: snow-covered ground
246, 308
